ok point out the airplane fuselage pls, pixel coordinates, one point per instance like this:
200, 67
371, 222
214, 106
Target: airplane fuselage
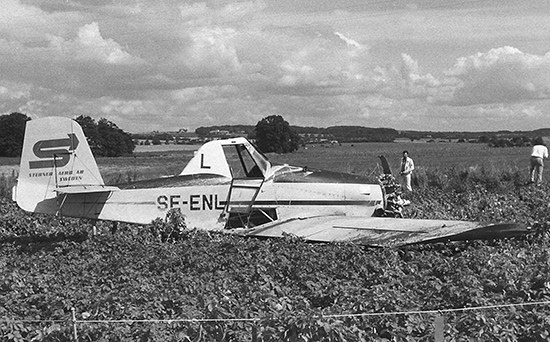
203, 199
228, 184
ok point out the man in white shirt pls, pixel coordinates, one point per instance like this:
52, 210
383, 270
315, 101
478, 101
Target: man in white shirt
407, 166
538, 153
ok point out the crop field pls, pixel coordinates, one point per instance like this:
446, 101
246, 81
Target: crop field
60, 283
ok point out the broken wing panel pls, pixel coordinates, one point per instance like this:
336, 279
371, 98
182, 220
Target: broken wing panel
385, 231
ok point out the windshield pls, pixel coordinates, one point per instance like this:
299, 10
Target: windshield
242, 163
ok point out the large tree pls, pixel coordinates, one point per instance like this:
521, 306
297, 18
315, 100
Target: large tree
105, 138
273, 134
12, 132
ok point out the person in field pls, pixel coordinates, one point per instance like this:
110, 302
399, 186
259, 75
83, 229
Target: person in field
407, 167
538, 153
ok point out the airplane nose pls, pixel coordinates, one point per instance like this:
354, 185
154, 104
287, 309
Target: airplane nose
378, 211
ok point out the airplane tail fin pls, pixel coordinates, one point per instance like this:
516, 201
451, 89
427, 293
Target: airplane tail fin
56, 158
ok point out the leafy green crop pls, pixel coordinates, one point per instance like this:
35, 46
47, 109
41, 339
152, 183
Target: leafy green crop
220, 287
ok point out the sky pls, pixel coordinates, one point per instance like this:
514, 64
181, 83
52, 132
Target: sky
430, 65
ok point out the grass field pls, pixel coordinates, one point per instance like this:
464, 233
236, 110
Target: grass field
359, 158
363, 159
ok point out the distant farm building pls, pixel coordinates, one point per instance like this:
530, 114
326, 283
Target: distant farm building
316, 137
180, 137
219, 132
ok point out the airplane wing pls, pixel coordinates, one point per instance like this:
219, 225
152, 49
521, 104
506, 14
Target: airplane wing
385, 231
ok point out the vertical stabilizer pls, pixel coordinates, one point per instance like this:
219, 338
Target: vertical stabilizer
55, 156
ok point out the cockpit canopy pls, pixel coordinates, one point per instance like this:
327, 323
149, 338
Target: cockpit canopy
231, 158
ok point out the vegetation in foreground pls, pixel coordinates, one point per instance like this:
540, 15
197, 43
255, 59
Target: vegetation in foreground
282, 290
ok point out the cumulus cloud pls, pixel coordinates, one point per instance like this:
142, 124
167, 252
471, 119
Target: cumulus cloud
213, 53
405, 81
501, 75
10, 91
89, 45
202, 46
320, 61
13, 96
235, 62
22, 22
504, 74
14, 15
86, 64
204, 14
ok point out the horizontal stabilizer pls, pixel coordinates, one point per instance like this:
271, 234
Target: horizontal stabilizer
86, 189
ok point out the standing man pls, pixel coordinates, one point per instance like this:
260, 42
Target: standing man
407, 166
538, 153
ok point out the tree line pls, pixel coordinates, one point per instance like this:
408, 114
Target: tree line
105, 138
271, 134
307, 133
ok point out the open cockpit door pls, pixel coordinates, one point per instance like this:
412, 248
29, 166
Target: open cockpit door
246, 168
242, 194
240, 211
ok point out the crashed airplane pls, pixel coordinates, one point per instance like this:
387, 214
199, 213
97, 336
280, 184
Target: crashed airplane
227, 186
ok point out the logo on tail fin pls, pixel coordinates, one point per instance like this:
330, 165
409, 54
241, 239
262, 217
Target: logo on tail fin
53, 151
